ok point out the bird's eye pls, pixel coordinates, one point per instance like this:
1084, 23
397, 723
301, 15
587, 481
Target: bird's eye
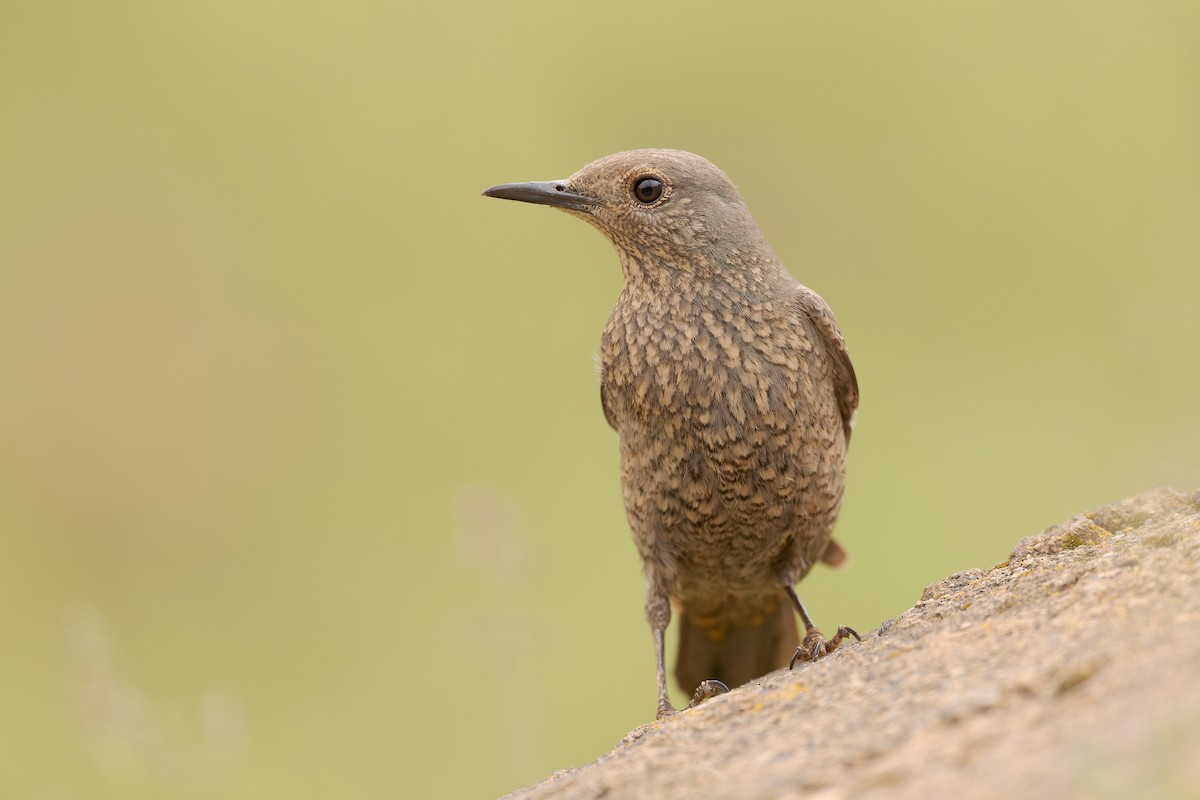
647, 189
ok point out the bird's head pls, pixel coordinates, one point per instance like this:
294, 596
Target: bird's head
663, 210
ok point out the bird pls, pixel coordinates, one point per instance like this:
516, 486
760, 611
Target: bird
732, 393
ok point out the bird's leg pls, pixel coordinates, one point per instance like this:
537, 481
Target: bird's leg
815, 645
706, 689
658, 614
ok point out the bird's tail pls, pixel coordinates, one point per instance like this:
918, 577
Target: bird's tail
741, 654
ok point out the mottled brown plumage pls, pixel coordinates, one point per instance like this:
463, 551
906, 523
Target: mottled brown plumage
733, 395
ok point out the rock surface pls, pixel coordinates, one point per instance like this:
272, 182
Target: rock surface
1070, 670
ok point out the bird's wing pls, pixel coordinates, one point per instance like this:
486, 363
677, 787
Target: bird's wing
844, 380
608, 414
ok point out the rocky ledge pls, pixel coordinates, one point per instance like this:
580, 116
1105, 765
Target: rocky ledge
1072, 669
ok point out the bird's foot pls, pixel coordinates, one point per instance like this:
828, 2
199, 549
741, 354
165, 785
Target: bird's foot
706, 689
816, 645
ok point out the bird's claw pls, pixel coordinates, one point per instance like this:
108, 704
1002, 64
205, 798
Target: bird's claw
816, 645
707, 689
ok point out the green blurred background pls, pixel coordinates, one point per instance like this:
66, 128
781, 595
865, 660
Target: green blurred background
305, 490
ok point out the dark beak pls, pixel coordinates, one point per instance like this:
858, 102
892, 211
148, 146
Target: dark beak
545, 193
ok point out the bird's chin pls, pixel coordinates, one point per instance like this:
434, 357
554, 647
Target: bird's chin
585, 213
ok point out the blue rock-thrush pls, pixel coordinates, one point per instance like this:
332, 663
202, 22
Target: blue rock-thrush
733, 396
